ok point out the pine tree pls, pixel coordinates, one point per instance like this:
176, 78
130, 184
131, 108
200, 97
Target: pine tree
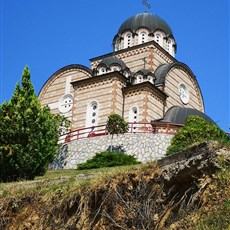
28, 134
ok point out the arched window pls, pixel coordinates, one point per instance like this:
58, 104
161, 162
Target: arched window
115, 68
158, 39
128, 40
92, 114
142, 37
168, 45
101, 70
117, 45
134, 114
126, 74
150, 79
170, 48
133, 117
139, 79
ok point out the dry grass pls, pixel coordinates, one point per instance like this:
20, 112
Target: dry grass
55, 178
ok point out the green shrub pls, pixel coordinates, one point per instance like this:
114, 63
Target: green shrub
116, 124
108, 159
196, 130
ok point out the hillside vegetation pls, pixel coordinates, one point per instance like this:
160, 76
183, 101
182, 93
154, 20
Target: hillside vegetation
191, 190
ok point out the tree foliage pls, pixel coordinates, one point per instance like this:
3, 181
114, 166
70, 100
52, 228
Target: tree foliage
108, 159
116, 124
28, 134
196, 130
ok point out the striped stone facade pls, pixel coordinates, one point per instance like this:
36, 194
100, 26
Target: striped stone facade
115, 94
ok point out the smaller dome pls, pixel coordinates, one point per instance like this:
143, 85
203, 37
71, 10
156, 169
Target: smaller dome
143, 75
145, 72
109, 61
111, 64
178, 115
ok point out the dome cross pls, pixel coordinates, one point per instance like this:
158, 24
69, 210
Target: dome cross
144, 60
146, 4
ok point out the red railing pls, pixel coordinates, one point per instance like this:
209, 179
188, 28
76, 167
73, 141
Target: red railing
134, 127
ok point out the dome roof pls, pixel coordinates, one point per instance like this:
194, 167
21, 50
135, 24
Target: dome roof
147, 20
162, 71
108, 61
178, 115
145, 72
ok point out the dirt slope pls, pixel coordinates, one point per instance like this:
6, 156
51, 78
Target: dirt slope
187, 191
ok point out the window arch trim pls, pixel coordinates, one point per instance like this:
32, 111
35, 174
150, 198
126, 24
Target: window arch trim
92, 113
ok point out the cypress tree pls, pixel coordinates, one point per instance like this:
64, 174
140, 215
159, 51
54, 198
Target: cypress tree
28, 134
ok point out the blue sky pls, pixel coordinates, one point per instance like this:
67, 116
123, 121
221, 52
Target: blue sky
47, 35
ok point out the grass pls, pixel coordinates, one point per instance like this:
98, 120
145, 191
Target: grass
58, 174
63, 179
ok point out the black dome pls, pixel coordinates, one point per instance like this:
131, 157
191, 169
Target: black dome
150, 21
145, 72
178, 115
108, 61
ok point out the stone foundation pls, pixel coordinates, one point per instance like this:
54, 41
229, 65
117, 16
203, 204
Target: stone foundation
145, 147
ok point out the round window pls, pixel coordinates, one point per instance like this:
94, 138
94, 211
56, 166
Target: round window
65, 103
183, 93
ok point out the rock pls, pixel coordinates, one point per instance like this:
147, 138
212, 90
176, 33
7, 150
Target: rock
193, 162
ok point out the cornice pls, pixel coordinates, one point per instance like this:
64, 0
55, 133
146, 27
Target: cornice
100, 78
134, 50
146, 86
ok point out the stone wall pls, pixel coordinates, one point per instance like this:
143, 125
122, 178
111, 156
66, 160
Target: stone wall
145, 147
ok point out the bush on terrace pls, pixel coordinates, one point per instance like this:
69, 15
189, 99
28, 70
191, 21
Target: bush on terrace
196, 130
108, 159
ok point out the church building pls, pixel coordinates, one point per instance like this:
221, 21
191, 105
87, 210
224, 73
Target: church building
140, 80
